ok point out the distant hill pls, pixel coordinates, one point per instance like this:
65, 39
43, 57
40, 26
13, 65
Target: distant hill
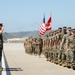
20, 34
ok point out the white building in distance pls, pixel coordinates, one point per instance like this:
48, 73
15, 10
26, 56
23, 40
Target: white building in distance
17, 40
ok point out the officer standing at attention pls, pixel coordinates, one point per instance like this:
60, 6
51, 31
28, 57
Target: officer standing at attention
40, 45
1, 42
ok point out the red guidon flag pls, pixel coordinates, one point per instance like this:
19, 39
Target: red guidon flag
42, 28
48, 24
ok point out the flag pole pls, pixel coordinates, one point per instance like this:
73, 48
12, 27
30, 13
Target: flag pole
51, 18
50, 13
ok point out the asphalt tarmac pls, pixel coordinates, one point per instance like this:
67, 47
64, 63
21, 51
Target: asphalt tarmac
16, 62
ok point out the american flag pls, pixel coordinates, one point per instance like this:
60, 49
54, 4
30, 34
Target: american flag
42, 28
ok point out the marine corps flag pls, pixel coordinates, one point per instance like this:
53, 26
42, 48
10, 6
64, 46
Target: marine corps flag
42, 28
48, 24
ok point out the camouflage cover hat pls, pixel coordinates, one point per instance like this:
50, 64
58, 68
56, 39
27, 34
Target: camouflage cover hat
73, 30
69, 28
59, 28
64, 27
57, 31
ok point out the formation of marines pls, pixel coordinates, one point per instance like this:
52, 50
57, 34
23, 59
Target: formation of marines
58, 46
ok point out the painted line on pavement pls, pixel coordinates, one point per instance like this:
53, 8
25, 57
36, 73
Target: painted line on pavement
3, 64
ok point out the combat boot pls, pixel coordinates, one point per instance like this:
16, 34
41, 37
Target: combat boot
52, 61
64, 64
60, 63
73, 66
69, 64
56, 61
49, 60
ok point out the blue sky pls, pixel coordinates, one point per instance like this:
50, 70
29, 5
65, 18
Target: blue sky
27, 15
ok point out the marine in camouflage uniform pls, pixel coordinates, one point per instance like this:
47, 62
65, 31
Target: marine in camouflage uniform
63, 46
59, 38
34, 45
50, 53
46, 50
39, 43
44, 45
40, 46
56, 47
26, 45
62, 51
37, 47
30, 45
70, 48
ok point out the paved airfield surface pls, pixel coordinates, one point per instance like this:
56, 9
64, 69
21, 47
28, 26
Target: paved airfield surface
16, 62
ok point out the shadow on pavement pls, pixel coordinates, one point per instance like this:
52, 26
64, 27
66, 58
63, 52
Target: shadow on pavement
12, 69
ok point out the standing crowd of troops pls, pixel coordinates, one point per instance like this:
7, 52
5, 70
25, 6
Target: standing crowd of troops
58, 46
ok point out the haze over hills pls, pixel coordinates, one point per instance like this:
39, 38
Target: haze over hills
20, 34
